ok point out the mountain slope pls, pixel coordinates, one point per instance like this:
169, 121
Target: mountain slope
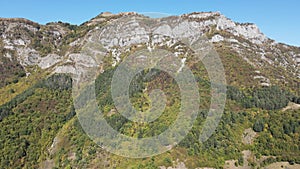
38, 123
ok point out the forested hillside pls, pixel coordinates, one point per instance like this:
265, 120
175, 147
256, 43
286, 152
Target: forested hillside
38, 122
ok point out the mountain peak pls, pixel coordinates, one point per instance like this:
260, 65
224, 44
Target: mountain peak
17, 20
104, 16
202, 15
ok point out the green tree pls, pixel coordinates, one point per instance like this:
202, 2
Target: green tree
258, 125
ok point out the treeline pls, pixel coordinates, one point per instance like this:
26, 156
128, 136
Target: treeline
55, 82
6, 109
102, 87
267, 98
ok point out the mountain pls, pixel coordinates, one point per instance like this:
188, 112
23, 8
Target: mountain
39, 126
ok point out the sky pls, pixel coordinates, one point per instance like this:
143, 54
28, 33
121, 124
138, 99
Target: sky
278, 19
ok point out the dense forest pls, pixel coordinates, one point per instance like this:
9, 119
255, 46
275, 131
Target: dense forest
31, 120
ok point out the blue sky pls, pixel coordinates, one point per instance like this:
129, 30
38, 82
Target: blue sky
278, 19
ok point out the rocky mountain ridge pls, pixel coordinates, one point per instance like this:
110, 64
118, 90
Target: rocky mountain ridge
57, 46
